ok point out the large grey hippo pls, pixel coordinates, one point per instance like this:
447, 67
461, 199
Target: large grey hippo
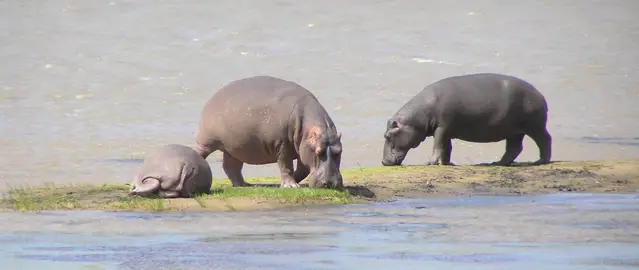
173, 171
483, 108
261, 120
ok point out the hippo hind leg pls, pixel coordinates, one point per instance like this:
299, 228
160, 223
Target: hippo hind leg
168, 194
233, 169
144, 187
544, 142
514, 145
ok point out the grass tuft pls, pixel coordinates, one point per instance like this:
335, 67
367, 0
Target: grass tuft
283, 195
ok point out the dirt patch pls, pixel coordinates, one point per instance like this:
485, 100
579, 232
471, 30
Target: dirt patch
427, 181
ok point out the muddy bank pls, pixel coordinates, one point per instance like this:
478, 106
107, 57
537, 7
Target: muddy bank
613, 176
362, 185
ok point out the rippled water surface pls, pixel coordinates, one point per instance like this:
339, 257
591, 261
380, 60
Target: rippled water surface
87, 88
560, 231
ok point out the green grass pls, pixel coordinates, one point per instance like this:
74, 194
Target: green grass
115, 196
284, 195
51, 197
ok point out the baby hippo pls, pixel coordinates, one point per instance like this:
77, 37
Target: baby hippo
173, 171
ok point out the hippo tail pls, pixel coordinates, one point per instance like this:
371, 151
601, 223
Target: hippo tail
145, 186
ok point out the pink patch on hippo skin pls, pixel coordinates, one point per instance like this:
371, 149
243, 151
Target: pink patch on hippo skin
318, 150
313, 134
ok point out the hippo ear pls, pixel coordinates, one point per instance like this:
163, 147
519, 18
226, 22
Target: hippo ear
388, 134
339, 135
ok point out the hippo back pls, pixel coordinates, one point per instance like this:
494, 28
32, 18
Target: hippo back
250, 109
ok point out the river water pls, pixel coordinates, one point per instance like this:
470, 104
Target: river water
562, 231
87, 88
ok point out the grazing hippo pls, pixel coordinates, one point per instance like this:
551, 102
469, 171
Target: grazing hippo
481, 108
173, 171
261, 120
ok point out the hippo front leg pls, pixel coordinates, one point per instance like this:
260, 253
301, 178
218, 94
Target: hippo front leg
285, 163
442, 148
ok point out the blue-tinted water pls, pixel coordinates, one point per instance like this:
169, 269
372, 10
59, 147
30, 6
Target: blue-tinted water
563, 231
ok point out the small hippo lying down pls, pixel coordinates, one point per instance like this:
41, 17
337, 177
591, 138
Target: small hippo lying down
481, 108
173, 171
262, 120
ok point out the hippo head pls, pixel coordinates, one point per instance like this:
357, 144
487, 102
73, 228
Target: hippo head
399, 138
322, 153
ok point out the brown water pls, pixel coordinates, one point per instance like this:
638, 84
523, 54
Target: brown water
563, 231
86, 86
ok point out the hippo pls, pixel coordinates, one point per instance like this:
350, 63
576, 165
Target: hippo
173, 171
483, 108
263, 120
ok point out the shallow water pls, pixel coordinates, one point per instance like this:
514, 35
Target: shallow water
88, 88
562, 231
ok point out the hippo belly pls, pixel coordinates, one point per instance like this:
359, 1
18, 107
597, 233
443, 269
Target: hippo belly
252, 149
483, 135
480, 130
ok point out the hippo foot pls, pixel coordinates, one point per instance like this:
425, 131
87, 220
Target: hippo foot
437, 163
289, 185
541, 162
166, 194
500, 163
243, 184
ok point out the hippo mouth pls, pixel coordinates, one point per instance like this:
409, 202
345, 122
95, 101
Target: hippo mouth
393, 160
314, 182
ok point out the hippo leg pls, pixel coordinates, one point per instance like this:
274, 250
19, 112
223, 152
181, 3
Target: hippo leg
168, 194
285, 163
205, 151
442, 148
233, 169
544, 142
145, 187
301, 172
513, 149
